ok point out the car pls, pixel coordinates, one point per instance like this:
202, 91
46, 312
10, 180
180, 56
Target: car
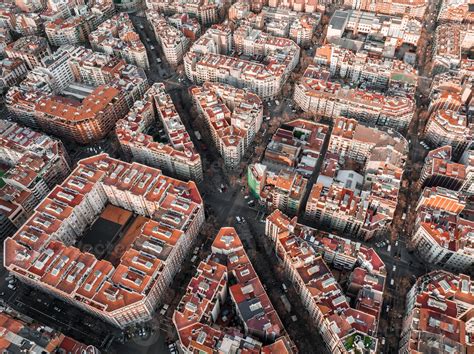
277, 102
140, 26
392, 282
152, 47
173, 348
269, 104
11, 286
165, 307
193, 259
293, 110
239, 220
246, 197
158, 60
268, 118
396, 243
284, 287
394, 268
251, 203
57, 309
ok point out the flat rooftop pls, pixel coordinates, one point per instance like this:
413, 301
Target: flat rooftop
105, 231
126, 241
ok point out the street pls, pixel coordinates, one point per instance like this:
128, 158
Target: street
224, 205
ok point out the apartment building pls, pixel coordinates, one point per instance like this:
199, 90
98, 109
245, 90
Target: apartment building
179, 157
280, 189
359, 201
296, 146
403, 29
72, 30
415, 8
315, 93
447, 47
455, 12
206, 11
30, 5
228, 273
117, 36
5, 39
7, 15
21, 333
240, 10
209, 59
437, 314
443, 229
352, 140
440, 171
30, 49
446, 127
190, 26
12, 72
99, 89
29, 24
281, 179
309, 6
233, 116
34, 163
366, 70
173, 41
308, 271
467, 159
126, 285
280, 22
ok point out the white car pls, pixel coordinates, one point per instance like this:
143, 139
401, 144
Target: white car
152, 47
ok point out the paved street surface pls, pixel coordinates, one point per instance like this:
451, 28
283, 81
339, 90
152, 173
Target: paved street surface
221, 210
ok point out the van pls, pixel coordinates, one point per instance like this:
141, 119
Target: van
238, 219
